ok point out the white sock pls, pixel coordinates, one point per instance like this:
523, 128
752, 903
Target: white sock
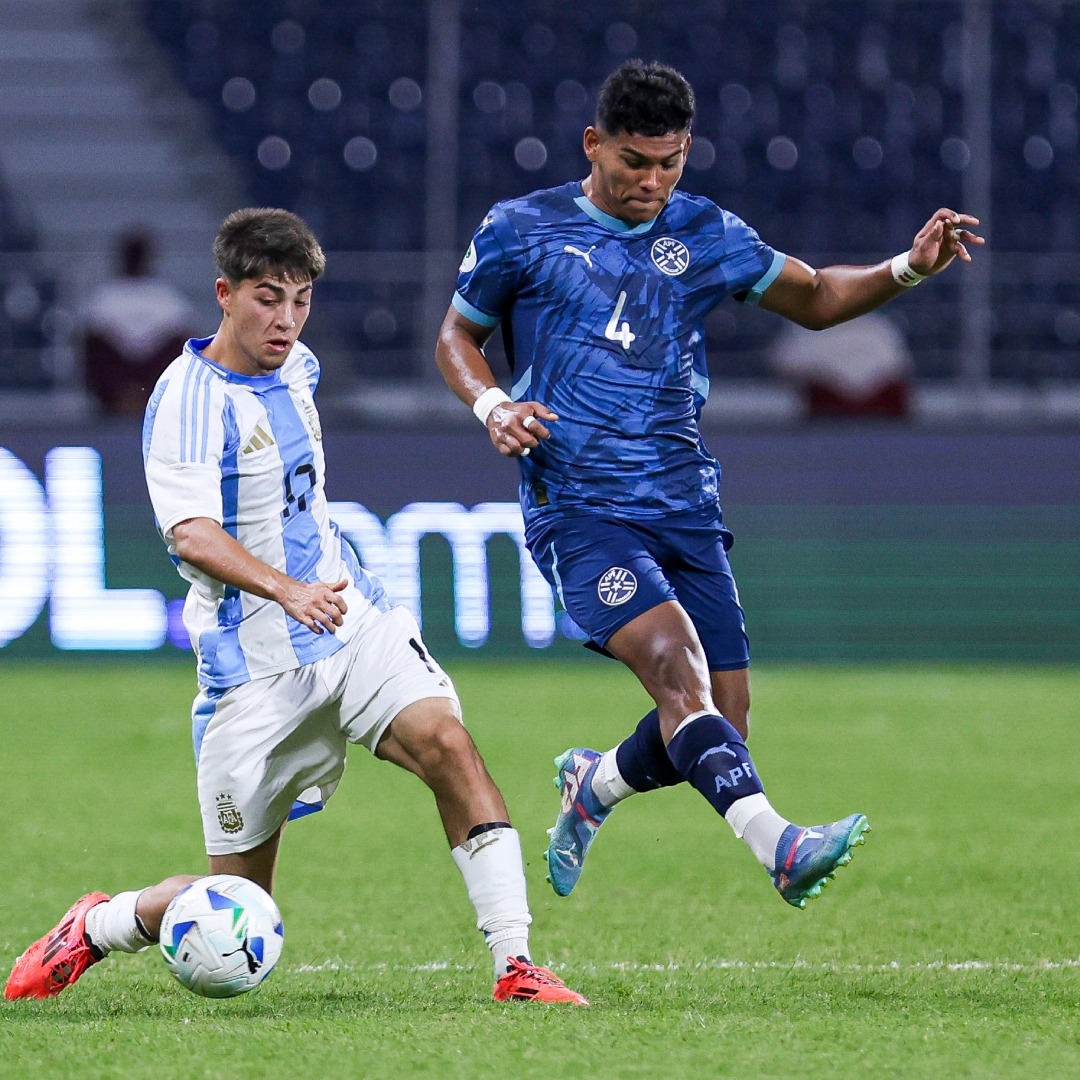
607, 782
494, 874
754, 820
113, 927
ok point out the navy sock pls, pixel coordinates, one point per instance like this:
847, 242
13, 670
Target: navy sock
710, 753
643, 758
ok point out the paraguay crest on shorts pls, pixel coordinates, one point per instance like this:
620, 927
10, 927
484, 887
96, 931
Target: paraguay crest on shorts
228, 814
616, 586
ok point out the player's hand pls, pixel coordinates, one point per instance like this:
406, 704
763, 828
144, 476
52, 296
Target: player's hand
943, 238
316, 604
516, 427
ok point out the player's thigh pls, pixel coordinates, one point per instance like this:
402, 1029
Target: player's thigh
261, 745
603, 570
390, 669
706, 588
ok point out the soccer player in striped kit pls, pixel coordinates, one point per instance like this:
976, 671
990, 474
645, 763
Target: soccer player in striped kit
300, 651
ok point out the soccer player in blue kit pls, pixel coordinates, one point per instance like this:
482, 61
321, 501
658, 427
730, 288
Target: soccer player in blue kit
602, 287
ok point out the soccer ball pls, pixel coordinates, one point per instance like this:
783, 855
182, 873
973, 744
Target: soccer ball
221, 936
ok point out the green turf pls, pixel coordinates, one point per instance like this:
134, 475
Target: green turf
948, 948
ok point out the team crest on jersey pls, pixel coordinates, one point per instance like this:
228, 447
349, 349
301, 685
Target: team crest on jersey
616, 586
670, 256
468, 263
228, 814
312, 415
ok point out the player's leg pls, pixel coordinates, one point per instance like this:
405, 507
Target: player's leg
128, 927
605, 575
258, 747
413, 719
242, 833
427, 738
731, 695
95, 925
661, 648
640, 762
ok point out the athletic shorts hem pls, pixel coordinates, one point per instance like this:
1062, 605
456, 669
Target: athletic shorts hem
245, 844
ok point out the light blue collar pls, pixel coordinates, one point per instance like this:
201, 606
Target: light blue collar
613, 223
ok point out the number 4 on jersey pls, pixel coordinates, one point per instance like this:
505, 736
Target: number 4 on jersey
622, 335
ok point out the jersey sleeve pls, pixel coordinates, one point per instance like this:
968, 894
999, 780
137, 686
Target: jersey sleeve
183, 443
304, 365
750, 265
490, 272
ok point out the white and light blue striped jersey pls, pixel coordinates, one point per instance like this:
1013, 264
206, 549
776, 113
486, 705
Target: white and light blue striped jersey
247, 453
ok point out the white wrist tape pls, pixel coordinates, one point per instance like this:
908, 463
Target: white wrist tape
902, 272
487, 401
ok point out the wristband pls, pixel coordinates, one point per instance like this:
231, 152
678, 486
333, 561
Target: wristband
902, 272
491, 398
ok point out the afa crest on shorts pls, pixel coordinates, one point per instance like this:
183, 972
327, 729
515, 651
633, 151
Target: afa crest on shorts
616, 586
670, 256
229, 817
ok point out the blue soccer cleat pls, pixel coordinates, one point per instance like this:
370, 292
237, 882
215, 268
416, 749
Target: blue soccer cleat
807, 859
581, 815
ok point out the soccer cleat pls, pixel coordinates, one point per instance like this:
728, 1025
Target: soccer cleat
581, 815
527, 982
58, 959
807, 859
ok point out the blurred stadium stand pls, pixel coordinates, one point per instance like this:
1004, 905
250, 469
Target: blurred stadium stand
834, 127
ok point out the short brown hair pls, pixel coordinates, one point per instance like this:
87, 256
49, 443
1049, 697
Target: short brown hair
254, 242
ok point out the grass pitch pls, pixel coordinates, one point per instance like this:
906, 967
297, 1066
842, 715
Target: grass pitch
949, 948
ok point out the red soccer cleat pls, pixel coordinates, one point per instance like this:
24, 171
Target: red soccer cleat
59, 958
527, 982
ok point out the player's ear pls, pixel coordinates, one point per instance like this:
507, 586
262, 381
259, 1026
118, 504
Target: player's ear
224, 293
591, 142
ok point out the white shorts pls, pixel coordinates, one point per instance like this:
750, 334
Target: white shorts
277, 744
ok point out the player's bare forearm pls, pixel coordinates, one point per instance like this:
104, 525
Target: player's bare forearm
205, 545
515, 427
818, 299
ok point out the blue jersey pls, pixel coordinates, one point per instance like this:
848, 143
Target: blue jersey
604, 324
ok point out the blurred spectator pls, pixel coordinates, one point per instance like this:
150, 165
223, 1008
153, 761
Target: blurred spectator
859, 368
135, 326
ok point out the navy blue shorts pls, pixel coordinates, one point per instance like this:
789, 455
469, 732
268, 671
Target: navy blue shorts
609, 570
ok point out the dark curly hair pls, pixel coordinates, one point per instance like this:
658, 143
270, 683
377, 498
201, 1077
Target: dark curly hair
259, 241
644, 99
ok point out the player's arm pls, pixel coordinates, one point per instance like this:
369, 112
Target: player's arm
818, 299
514, 427
203, 543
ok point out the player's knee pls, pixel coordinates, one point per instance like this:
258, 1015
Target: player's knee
447, 748
676, 673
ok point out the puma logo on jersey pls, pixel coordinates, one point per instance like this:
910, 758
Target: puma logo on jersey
259, 441
586, 255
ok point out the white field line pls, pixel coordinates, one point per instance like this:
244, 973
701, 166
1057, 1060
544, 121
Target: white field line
337, 964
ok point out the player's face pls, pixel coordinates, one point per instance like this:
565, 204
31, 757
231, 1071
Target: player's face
263, 319
633, 176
